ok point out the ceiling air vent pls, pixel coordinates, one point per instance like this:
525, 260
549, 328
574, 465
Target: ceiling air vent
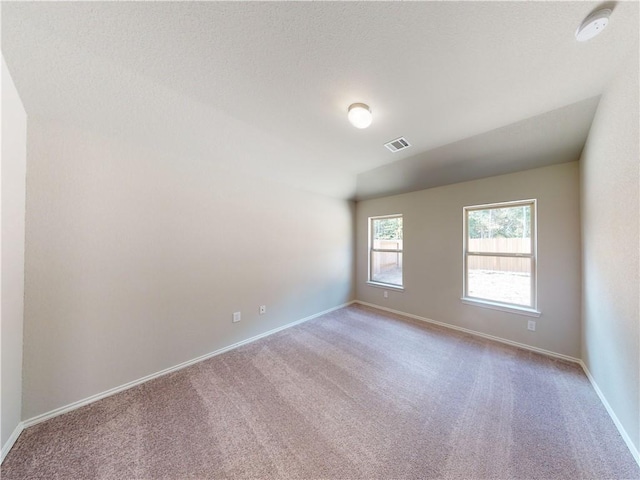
397, 144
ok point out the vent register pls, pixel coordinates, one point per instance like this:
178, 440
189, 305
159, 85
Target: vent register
397, 144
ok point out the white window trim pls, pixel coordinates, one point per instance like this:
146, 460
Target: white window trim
503, 307
386, 286
371, 251
531, 310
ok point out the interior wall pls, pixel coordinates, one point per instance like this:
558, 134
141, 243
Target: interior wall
14, 162
610, 232
136, 261
433, 261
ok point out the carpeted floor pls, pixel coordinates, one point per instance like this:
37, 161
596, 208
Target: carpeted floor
355, 394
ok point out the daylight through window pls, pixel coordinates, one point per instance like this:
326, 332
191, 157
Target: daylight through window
385, 250
500, 253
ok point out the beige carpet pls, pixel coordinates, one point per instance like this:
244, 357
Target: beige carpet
354, 394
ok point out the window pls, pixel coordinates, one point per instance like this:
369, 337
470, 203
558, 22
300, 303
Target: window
500, 255
385, 250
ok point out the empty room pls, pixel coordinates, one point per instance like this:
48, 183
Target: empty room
206, 208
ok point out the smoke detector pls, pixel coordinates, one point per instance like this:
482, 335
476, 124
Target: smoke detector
397, 144
593, 25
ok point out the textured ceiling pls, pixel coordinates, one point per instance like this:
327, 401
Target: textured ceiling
263, 87
553, 137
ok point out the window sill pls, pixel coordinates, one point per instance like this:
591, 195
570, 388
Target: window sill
386, 286
529, 312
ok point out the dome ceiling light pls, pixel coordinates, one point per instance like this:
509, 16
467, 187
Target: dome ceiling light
360, 115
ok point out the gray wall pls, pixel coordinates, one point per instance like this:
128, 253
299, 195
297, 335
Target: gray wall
136, 261
433, 255
14, 162
609, 181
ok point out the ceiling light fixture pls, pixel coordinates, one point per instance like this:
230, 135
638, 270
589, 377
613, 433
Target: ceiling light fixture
360, 115
593, 25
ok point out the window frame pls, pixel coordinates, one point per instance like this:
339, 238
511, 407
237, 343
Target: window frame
372, 250
530, 310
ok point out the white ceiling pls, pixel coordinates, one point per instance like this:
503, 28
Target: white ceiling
263, 87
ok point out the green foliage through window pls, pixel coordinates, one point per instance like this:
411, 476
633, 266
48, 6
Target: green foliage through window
507, 222
387, 228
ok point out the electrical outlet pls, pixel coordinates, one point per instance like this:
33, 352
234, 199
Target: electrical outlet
385, 294
263, 309
531, 325
236, 317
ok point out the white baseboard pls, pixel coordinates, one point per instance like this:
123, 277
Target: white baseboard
542, 351
99, 396
625, 436
623, 433
12, 439
94, 398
